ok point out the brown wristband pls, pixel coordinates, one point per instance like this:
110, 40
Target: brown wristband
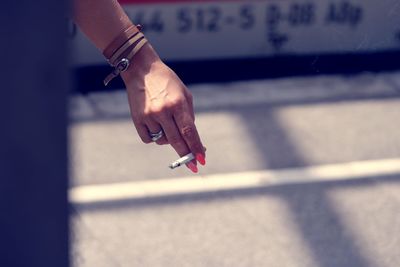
120, 40
123, 63
122, 58
122, 50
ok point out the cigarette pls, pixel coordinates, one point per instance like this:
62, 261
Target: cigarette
183, 160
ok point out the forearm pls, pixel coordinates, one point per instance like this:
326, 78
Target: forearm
100, 20
159, 101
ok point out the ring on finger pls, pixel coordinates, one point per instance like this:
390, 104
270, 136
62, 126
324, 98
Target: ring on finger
156, 136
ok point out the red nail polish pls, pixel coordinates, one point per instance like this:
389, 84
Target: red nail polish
192, 167
200, 158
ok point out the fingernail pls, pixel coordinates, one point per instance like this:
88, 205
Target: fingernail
192, 167
200, 158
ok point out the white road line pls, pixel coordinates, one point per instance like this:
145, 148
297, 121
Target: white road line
232, 181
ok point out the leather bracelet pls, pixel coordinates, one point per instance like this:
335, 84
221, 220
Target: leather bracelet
122, 58
124, 48
121, 39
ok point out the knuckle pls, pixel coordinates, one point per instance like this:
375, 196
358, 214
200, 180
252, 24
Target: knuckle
154, 112
176, 103
188, 131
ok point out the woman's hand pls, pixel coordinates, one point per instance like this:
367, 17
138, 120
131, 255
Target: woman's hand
160, 101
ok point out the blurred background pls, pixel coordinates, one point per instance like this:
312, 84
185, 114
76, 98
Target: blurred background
298, 104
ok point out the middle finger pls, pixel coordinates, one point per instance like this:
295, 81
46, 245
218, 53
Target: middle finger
175, 139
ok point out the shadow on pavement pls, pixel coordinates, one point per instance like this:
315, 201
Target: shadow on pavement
330, 242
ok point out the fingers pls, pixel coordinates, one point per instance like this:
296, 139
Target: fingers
181, 131
189, 98
176, 118
143, 132
177, 142
183, 137
188, 131
169, 110
154, 127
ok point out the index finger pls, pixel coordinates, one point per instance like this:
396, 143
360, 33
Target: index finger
176, 141
189, 133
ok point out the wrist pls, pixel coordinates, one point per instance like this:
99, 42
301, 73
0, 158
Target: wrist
144, 60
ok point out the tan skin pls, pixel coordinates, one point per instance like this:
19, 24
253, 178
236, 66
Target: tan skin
157, 97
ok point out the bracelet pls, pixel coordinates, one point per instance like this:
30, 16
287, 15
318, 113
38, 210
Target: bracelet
124, 48
128, 44
121, 39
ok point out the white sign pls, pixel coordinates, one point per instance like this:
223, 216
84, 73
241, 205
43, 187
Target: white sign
192, 30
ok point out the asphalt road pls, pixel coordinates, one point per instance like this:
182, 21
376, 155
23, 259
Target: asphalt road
247, 126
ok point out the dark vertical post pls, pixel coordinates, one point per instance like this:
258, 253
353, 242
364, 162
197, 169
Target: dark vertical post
33, 147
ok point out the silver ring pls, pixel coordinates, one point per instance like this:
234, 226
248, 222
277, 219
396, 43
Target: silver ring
156, 136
